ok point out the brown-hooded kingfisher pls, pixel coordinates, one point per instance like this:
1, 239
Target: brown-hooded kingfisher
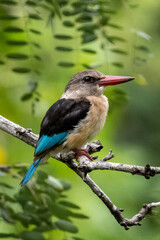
76, 118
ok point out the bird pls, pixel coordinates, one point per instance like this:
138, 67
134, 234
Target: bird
76, 118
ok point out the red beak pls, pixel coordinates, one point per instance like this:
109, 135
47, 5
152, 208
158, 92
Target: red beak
113, 80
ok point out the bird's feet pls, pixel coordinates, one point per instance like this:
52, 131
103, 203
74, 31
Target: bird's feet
82, 152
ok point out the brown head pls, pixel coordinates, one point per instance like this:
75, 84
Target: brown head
91, 82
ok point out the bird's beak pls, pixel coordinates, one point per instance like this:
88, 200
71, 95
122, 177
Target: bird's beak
113, 80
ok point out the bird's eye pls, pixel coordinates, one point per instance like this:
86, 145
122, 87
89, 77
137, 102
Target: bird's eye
89, 79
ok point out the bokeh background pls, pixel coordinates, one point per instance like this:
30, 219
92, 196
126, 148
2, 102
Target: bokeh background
132, 129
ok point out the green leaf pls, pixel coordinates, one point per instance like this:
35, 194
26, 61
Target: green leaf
17, 43
42, 175
23, 195
141, 34
78, 4
50, 191
143, 48
79, 215
37, 72
8, 235
26, 96
6, 197
20, 166
25, 198
84, 18
134, 5
35, 31
119, 51
141, 80
35, 217
139, 61
8, 18
69, 204
53, 182
86, 66
77, 238
2, 62
34, 16
8, 2
66, 64
64, 49
12, 29
114, 39
118, 96
32, 235
113, 25
66, 186
66, 226
5, 185
92, 66
69, 13
89, 50
58, 210
23, 218
106, 10
63, 37
68, 24
29, 207
89, 27
37, 45
50, 17
63, 3
33, 86
45, 228
56, 6
21, 70
104, 20
30, 3
118, 64
37, 57
5, 214
17, 56
86, 38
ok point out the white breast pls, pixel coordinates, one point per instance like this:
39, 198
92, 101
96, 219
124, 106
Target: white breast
98, 114
89, 127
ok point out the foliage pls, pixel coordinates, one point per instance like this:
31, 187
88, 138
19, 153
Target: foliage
40, 208
81, 23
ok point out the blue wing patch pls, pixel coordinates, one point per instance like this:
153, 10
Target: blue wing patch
47, 142
44, 143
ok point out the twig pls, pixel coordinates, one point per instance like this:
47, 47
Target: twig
86, 166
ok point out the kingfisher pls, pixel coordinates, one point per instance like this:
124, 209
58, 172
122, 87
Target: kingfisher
75, 119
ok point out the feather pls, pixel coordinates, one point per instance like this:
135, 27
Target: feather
30, 171
47, 142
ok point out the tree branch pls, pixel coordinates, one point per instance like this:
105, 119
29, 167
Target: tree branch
86, 166
146, 171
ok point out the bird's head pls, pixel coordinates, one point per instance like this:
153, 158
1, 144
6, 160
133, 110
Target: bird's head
92, 82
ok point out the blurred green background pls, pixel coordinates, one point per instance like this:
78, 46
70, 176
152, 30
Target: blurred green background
132, 129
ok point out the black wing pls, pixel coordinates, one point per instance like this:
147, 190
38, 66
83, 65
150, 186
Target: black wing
64, 115
61, 118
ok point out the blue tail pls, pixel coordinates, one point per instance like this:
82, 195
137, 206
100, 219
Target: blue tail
30, 171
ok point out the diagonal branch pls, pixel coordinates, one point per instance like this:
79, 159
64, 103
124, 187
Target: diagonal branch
86, 166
